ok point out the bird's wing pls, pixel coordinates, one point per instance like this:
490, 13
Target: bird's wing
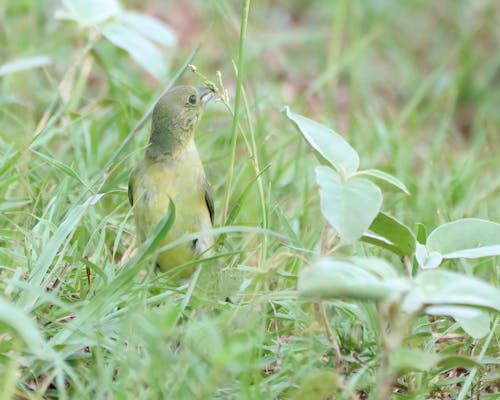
131, 188
209, 200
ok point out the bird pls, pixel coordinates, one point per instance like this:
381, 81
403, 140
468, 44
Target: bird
171, 171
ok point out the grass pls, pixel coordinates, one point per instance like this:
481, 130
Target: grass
413, 86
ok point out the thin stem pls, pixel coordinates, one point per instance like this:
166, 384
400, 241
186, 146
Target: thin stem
330, 335
239, 85
279, 350
260, 185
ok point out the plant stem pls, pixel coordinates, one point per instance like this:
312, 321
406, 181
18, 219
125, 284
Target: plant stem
331, 336
239, 85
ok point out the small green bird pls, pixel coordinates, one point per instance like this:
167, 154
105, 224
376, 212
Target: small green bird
171, 170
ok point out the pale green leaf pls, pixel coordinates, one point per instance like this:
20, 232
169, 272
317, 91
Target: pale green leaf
377, 266
477, 326
141, 49
88, 12
402, 359
440, 287
385, 177
151, 28
349, 206
468, 238
427, 260
331, 278
329, 144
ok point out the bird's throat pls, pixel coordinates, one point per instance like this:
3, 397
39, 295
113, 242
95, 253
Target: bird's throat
165, 144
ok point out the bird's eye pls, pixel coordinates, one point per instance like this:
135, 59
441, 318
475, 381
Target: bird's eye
192, 99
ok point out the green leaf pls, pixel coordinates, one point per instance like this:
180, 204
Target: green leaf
427, 260
445, 288
403, 360
391, 234
477, 326
421, 233
12, 205
385, 177
65, 229
457, 312
150, 27
61, 166
376, 266
24, 326
466, 238
22, 64
331, 278
457, 361
329, 144
88, 12
140, 48
349, 206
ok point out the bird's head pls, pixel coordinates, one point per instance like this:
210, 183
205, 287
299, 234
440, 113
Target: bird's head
175, 117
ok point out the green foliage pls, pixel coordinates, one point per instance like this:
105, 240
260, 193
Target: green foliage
409, 281
133, 32
351, 205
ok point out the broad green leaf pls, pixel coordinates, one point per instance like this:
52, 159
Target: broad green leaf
445, 288
477, 326
141, 49
150, 27
468, 238
329, 144
22, 64
377, 266
331, 278
349, 206
402, 359
380, 241
483, 251
457, 312
391, 234
385, 177
457, 361
412, 302
88, 12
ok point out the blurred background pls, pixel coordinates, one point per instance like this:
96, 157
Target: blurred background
413, 86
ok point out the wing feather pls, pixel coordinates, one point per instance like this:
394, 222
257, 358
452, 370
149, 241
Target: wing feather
209, 200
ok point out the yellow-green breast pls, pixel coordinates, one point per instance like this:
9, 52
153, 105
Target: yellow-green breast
182, 179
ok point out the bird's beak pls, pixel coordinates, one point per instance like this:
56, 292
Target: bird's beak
205, 94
